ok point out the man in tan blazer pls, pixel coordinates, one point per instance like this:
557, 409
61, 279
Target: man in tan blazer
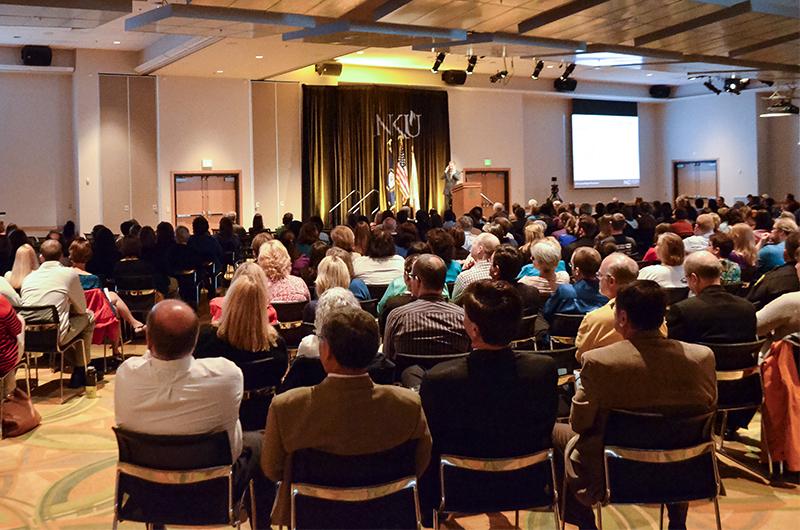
346, 414
645, 371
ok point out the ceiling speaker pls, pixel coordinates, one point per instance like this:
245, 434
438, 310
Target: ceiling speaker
37, 55
454, 77
660, 91
565, 85
328, 68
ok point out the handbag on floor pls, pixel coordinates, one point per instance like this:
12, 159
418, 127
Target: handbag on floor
19, 416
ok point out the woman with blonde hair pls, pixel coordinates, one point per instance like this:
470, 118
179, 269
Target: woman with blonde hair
332, 272
25, 262
546, 257
274, 260
244, 334
357, 285
534, 232
744, 246
671, 252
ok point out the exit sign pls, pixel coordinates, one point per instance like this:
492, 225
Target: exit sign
487, 161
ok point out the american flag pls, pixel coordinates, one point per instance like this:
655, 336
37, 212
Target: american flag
401, 174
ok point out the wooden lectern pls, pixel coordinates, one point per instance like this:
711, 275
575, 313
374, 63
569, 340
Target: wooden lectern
466, 196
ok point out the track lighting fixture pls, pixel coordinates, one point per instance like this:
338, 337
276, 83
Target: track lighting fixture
567, 71
471, 62
537, 70
502, 74
709, 85
735, 86
438, 62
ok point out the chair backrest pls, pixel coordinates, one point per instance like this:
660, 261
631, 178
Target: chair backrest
41, 327
738, 375
676, 294
355, 491
377, 291
659, 457
289, 312
527, 327
132, 285
565, 326
734, 288
483, 485
294, 332
450, 287
370, 306
261, 379
157, 473
564, 358
404, 360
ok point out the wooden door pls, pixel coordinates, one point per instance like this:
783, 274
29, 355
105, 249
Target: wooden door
210, 194
494, 183
696, 178
221, 197
189, 199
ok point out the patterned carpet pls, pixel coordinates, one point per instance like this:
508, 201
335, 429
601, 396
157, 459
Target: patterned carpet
61, 476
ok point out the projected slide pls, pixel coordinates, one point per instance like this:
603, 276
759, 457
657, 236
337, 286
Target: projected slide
605, 151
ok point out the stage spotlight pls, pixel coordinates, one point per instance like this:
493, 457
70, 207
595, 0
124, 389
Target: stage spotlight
567, 71
438, 62
709, 85
735, 86
471, 62
537, 70
502, 74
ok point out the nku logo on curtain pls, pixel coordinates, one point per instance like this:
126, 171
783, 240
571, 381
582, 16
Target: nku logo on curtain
407, 125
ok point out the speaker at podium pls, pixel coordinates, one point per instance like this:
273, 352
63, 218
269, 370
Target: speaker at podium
466, 196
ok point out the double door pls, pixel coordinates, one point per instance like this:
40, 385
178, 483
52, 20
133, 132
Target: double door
207, 194
696, 178
494, 183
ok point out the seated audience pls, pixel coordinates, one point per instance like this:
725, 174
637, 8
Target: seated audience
546, 257
399, 287
344, 238
495, 403
712, 314
357, 285
465, 225
258, 225
181, 257
258, 240
771, 245
681, 226
671, 252
25, 262
582, 296
441, 244
671, 376
625, 244
721, 245
307, 236
534, 232
345, 414
703, 230
506, 264
481, 250
597, 327
216, 305
651, 255
168, 391
379, 265
54, 284
781, 317
244, 333
780, 280
205, 247
11, 330
274, 260
131, 263
316, 254
587, 232
9, 293
429, 325
332, 272
228, 240
744, 252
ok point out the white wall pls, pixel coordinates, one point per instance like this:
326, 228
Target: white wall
719, 128
204, 118
778, 153
36, 166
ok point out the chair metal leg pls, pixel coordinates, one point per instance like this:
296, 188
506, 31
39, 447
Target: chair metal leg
435, 519
728, 460
716, 513
252, 506
722, 429
557, 515
661, 517
599, 516
61, 380
516, 518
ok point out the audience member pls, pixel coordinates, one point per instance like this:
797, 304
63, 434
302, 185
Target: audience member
380, 265
308, 235
357, 285
506, 265
584, 295
362, 235
597, 328
671, 252
587, 232
674, 377
780, 280
342, 237
11, 333
216, 306
331, 301
781, 317
546, 259
721, 245
258, 225
274, 260
744, 246
703, 230
9, 293
332, 272
625, 244
681, 226
398, 292
131, 263
258, 240
25, 262
534, 232
495, 403
54, 284
771, 245
481, 250
228, 240
205, 247
318, 251
346, 413
441, 244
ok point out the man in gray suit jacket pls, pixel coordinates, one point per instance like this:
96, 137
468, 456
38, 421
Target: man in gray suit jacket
644, 372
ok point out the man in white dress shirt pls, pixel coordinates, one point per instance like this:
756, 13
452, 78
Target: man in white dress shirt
483, 246
703, 230
54, 284
168, 391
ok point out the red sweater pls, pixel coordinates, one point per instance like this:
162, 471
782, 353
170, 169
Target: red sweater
10, 327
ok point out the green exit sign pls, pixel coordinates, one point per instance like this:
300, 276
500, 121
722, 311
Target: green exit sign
487, 161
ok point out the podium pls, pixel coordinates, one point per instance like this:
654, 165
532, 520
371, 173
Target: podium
466, 196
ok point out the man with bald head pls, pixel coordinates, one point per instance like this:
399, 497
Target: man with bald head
168, 391
53, 284
713, 314
483, 246
703, 230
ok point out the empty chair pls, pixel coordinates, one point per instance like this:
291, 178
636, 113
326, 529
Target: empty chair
376, 490
564, 328
676, 294
659, 459
156, 474
261, 379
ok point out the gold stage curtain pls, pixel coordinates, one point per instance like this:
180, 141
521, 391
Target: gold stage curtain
346, 132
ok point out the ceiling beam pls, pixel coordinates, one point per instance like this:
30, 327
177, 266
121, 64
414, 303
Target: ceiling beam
781, 8
406, 30
557, 13
676, 29
387, 8
744, 50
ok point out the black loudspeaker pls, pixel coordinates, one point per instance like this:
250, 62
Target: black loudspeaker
454, 77
328, 68
37, 55
565, 85
660, 91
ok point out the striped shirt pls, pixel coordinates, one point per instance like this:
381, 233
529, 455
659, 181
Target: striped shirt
479, 271
427, 326
10, 327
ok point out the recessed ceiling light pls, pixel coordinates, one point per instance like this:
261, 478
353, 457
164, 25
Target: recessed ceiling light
117, 42
360, 52
259, 56
219, 71
649, 75
550, 66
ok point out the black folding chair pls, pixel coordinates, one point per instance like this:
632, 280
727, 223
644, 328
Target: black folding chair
138, 293
369, 491
377, 291
566, 364
370, 306
740, 391
527, 331
290, 322
676, 294
659, 459
261, 379
564, 328
426, 362
156, 474
188, 284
